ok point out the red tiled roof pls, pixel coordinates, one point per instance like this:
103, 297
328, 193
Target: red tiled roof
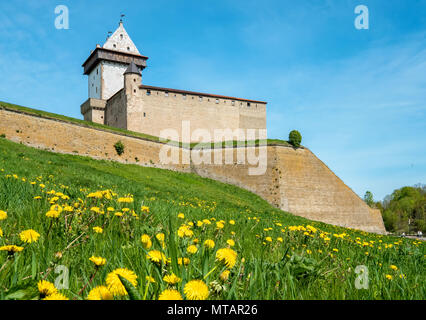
198, 93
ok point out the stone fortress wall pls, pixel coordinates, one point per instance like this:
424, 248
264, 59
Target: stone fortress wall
150, 110
295, 180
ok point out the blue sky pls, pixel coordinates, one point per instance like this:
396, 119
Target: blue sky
357, 96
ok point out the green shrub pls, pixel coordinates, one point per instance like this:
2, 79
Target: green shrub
295, 138
119, 147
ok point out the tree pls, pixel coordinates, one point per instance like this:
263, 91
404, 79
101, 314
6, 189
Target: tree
405, 209
295, 138
369, 199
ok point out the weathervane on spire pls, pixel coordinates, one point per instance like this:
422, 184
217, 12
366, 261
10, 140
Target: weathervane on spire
121, 18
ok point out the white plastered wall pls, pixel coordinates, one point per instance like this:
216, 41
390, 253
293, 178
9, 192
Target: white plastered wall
95, 83
112, 78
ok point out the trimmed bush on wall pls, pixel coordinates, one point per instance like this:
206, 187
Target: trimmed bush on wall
295, 138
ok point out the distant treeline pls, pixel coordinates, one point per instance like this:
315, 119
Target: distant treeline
403, 210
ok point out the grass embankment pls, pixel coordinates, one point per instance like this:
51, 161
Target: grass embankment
278, 255
54, 116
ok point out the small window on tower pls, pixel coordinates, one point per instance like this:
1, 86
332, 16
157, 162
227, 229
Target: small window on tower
144, 114
201, 98
248, 104
148, 92
128, 48
114, 45
97, 71
233, 102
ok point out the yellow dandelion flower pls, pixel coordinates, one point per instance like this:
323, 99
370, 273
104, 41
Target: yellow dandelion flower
146, 241
230, 242
311, 228
336, 250
196, 290
181, 216
98, 261
389, 277
171, 279
209, 244
145, 209
199, 223
231, 222
56, 296
192, 249
118, 214
308, 251
184, 261
156, 256
29, 236
206, 221
52, 214
160, 237
11, 249
170, 294
393, 267
224, 275
98, 229
100, 293
114, 284
269, 239
1, 232
150, 279
56, 207
46, 288
279, 239
227, 256
220, 225
125, 200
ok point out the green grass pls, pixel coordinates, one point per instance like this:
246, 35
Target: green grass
49, 115
301, 266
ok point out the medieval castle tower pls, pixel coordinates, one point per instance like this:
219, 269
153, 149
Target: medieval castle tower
118, 98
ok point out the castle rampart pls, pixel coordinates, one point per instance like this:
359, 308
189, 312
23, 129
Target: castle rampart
295, 180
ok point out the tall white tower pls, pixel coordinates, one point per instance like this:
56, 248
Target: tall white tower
105, 68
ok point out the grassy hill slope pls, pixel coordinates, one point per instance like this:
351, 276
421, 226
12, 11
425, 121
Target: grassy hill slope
278, 255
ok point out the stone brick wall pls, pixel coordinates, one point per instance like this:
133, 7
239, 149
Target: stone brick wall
163, 110
115, 111
295, 180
